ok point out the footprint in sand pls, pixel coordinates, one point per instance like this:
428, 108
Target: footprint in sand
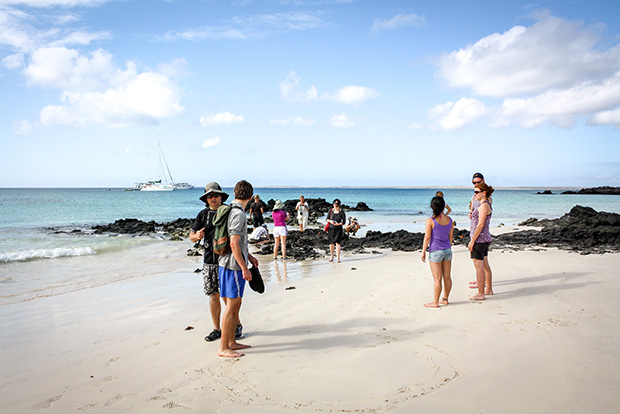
172, 405
47, 403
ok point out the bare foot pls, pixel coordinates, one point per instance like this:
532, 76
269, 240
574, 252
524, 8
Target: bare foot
331, 260
236, 346
473, 285
477, 297
229, 353
475, 282
339, 261
431, 305
444, 301
489, 293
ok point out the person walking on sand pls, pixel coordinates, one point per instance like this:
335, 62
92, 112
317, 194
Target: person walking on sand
336, 219
234, 271
302, 208
279, 228
440, 194
478, 178
481, 240
203, 228
438, 241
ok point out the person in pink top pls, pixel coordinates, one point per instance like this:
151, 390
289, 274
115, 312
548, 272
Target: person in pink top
279, 228
438, 241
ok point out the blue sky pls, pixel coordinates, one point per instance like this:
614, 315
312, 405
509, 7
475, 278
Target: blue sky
310, 92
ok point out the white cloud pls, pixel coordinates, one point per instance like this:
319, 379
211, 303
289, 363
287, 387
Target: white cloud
140, 99
51, 3
554, 71
396, 22
23, 127
289, 90
611, 117
303, 121
563, 107
295, 121
341, 121
456, 115
552, 53
223, 118
211, 142
416, 126
19, 31
14, 61
252, 27
59, 67
352, 94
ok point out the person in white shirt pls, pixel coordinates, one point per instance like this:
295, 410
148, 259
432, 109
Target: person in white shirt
259, 235
302, 208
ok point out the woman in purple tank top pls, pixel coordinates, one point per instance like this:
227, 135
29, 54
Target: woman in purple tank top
438, 241
481, 240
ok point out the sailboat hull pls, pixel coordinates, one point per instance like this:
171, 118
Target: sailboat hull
157, 187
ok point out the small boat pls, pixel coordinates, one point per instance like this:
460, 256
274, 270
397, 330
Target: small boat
183, 186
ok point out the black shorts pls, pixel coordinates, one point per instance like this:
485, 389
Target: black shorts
257, 220
480, 251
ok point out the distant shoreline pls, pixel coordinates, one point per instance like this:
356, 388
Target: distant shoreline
449, 187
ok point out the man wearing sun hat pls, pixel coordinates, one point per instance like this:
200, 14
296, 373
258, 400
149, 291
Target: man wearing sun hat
203, 228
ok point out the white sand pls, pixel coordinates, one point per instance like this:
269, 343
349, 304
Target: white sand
352, 337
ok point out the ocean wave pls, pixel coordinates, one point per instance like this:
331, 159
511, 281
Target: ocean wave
25, 255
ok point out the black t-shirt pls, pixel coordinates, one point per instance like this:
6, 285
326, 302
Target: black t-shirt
204, 219
256, 206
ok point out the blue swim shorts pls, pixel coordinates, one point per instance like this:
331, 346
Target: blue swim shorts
232, 283
440, 256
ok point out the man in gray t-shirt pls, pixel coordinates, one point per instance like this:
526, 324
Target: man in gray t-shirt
233, 271
237, 225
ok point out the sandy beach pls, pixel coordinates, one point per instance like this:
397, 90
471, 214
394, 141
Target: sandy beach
350, 337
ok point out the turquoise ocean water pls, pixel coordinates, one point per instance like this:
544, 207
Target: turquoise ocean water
42, 252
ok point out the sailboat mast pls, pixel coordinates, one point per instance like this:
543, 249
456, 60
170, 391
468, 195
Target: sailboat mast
161, 153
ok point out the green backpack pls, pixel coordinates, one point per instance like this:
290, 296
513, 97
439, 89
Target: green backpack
221, 239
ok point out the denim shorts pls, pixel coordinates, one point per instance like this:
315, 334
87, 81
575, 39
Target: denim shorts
440, 256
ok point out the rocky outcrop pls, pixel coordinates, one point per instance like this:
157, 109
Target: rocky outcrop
175, 230
596, 190
583, 229
313, 243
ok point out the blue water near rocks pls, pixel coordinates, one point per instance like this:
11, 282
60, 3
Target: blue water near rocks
49, 230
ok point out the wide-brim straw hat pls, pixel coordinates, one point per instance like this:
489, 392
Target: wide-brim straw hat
279, 205
213, 188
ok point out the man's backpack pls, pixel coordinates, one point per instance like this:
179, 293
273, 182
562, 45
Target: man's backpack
221, 238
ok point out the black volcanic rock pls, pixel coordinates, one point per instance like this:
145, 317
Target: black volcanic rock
606, 190
583, 229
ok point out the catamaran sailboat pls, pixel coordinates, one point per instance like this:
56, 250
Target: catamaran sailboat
165, 182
